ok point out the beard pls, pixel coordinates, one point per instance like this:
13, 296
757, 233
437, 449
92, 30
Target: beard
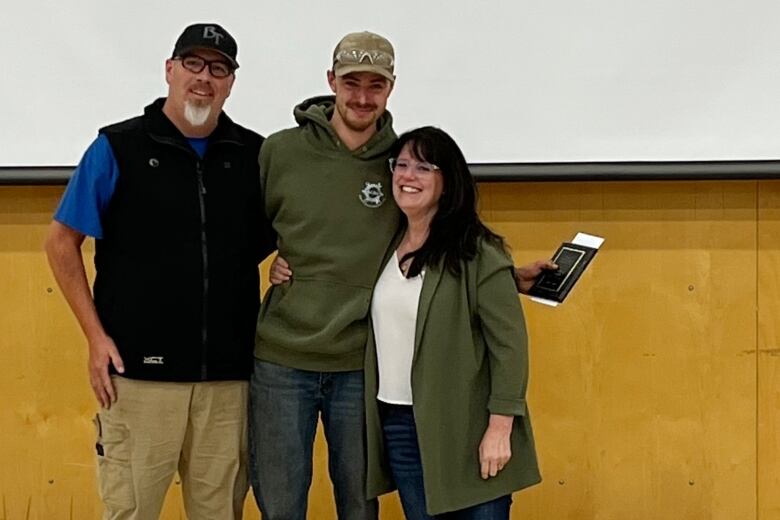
355, 124
195, 114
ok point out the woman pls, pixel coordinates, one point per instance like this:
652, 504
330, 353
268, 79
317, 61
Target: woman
447, 366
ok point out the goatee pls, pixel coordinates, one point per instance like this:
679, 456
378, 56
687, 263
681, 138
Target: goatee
196, 115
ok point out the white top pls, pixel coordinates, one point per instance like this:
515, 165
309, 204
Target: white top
394, 316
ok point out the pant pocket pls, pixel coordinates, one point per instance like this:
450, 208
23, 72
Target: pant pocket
114, 471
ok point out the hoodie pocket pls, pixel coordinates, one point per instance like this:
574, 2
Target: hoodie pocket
318, 316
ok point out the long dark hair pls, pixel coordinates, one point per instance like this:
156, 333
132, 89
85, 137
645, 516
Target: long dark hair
456, 228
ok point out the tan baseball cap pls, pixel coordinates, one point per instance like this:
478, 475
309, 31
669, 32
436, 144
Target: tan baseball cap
364, 52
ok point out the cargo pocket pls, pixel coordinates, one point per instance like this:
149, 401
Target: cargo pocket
114, 472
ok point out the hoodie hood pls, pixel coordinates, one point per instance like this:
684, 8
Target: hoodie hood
313, 116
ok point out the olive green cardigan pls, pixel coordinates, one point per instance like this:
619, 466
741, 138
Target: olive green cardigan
470, 360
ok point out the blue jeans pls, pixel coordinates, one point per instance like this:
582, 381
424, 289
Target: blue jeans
400, 436
285, 405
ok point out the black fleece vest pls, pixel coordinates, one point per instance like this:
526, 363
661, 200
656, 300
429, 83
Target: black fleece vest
177, 283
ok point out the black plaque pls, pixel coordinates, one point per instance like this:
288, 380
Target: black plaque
572, 259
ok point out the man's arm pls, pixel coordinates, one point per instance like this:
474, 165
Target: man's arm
63, 249
524, 276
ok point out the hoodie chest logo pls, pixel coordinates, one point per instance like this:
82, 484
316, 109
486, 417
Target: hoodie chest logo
371, 195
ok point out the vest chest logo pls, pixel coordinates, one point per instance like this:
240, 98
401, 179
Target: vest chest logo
371, 195
153, 360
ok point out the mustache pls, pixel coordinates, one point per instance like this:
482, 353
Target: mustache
203, 85
362, 105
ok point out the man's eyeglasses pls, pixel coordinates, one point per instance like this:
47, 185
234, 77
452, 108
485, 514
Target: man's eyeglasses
195, 64
356, 56
419, 168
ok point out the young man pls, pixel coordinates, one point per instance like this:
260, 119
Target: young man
172, 199
327, 195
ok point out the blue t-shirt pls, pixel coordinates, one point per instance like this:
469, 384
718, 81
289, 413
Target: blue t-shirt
199, 145
92, 185
90, 189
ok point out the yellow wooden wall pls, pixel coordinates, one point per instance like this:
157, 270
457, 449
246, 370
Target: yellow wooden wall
654, 390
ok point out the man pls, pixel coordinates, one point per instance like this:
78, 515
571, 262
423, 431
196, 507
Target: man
172, 199
327, 194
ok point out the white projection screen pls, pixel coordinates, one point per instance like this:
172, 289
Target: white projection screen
512, 81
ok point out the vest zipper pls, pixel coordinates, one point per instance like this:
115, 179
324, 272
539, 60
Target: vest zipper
205, 258
204, 250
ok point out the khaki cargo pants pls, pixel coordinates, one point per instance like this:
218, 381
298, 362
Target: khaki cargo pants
155, 429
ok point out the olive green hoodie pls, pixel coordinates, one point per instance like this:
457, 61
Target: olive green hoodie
333, 211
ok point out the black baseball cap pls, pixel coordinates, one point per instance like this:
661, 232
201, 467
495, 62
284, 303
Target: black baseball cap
207, 36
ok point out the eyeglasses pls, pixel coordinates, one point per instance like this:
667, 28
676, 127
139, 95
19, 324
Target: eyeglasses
404, 165
356, 56
195, 64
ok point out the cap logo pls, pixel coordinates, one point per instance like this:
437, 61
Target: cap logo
210, 32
